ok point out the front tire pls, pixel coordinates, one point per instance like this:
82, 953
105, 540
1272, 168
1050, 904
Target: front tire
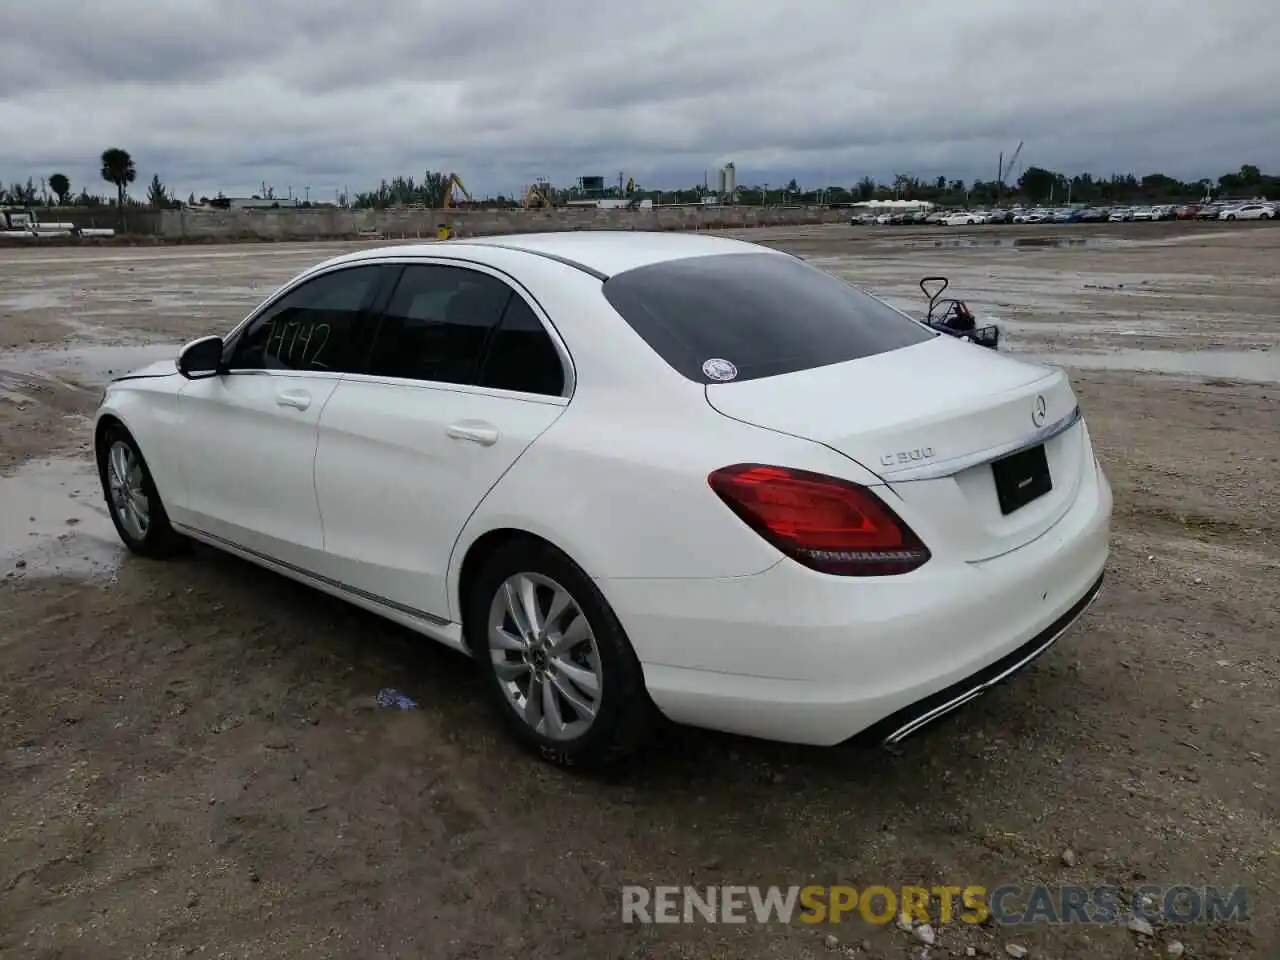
559, 667
132, 499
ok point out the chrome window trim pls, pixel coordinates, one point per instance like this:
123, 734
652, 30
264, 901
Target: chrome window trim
546, 399
953, 465
427, 259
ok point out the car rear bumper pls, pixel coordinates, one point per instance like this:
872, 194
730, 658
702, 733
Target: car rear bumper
797, 656
902, 724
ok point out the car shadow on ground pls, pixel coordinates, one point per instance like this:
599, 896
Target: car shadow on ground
354, 654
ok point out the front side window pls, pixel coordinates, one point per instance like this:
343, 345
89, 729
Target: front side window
437, 324
315, 327
764, 313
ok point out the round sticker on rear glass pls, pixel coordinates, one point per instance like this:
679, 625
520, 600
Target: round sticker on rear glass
720, 370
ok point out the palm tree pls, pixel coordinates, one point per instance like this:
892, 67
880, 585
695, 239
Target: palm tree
60, 184
118, 168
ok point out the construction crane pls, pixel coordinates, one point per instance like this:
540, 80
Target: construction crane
453, 182
538, 196
633, 198
1003, 171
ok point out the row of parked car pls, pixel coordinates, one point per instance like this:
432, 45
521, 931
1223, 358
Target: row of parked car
1238, 210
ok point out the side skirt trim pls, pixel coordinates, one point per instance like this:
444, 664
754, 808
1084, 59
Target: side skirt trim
314, 578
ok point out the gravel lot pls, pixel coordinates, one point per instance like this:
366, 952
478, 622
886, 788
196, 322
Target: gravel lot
192, 761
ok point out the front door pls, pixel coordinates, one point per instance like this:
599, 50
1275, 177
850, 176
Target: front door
249, 435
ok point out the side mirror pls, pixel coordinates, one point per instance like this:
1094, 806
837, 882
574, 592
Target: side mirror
201, 358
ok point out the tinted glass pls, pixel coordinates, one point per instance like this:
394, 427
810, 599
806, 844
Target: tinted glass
766, 314
314, 327
437, 324
522, 355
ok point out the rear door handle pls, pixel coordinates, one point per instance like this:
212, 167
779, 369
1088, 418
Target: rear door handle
298, 399
477, 431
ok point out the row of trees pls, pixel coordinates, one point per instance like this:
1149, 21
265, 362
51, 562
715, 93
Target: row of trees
117, 168
1034, 185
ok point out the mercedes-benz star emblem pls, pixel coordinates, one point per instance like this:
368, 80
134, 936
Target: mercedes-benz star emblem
1038, 411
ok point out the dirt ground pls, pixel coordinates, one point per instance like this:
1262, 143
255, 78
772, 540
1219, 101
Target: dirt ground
192, 761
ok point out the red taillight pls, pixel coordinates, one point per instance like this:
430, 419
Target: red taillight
827, 524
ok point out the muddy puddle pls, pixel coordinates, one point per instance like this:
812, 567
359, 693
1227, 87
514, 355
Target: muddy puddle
1260, 366
89, 366
33, 300
53, 522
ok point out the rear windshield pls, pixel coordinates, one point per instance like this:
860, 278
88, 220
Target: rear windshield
742, 316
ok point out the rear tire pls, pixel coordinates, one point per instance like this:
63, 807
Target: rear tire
132, 499
564, 678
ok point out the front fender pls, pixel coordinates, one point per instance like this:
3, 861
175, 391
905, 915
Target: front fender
148, 407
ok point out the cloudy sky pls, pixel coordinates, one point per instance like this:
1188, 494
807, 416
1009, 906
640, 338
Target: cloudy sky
226, 94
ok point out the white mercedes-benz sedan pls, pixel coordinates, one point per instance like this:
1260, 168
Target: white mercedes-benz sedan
633, 475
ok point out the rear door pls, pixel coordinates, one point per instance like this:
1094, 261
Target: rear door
462, 377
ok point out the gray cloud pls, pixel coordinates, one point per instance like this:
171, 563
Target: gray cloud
226, 94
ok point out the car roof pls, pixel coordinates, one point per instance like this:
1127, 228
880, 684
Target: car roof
601, 252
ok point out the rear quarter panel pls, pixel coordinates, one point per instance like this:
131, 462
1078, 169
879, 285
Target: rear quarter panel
620, 484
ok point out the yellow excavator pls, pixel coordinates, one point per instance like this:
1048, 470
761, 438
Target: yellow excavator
453, 182
538, 197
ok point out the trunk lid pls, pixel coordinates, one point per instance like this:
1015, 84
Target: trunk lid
930, 420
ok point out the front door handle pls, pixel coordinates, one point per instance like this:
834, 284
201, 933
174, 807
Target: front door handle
477, 431
298, 399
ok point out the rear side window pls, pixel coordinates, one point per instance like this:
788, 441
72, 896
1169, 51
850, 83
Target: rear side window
764, 313
521, 354
437, 325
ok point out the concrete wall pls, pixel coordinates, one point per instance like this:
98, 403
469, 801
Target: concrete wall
335, 223
140, 220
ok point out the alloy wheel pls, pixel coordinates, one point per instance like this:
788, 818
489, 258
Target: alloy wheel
545, 656
126, 486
